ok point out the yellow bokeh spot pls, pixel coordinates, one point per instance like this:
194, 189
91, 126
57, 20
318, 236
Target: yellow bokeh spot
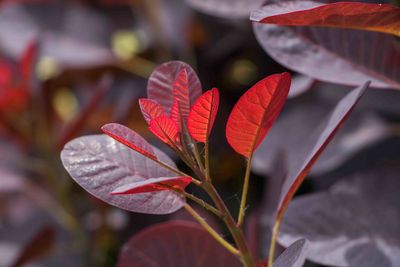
47, 68
244, 72
65, 104
125, 44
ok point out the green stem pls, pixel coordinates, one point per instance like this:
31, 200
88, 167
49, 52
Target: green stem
242, 209
207, 161
211, 231
272, 247
236, 232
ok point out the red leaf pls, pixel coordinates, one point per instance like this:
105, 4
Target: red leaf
181, 94
150, 109
353, 15
320, 139
165, 129
202, 115
153, 185
255, 112
27, 63
175, 114
175, 244
161, 83
129, 138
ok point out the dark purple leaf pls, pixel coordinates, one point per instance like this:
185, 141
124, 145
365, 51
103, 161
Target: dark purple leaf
355, 224
175, 244
230, 9
300, 85
304, 115
100, 164
39, 245
160, 86
317, 143
348, 57
293, 256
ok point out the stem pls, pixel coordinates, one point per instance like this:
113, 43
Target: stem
207, 161
272, 247
211, 231
236, 232
245, 190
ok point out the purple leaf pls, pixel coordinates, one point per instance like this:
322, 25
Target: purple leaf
317, 143
175, 244
354, 224
348, 57
230, 9
100, 165
304, 115
293, 256
300, 85
161, 83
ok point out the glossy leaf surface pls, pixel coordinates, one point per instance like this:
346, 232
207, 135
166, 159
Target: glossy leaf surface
153, 185
165, 129
353, 15
348, 57
354, 224
150, 109
202, 115
160, 86
293, 256
100, 164
175, 244
255, 112
129, 138
317, 143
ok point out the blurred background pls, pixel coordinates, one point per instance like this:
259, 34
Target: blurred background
68, 67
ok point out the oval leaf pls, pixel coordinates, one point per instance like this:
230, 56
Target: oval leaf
181, 94
354, 224
353, 15
175, 244
255, 112
160, 86
348, 57
129, 138
202, 115
318, 142
150, 109
165, 129
100, 164
154, 184
293, 256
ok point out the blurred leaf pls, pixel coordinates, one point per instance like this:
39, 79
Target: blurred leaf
255, 112
39, 245
364, 129
202, 115
354, 224
226, 8
293, 256
348, 57
300, 85
175, 244
100, 165
352, 15
314, 146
